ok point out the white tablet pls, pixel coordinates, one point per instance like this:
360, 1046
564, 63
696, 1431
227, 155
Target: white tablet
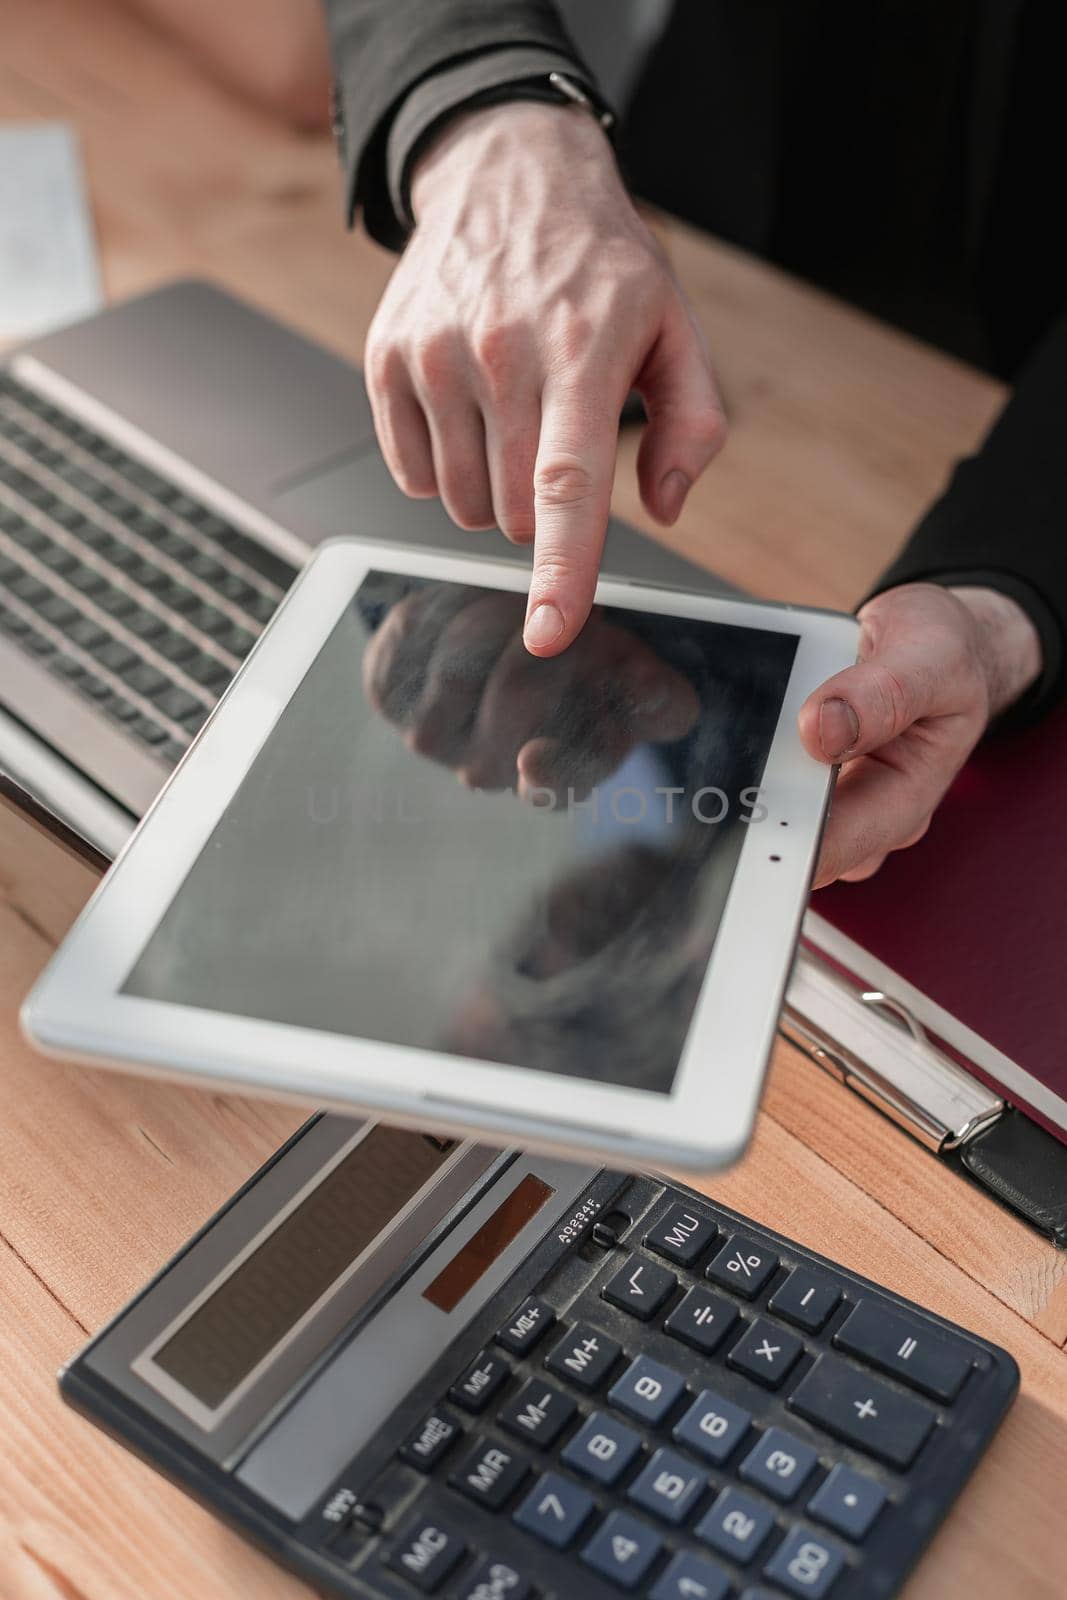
407, 868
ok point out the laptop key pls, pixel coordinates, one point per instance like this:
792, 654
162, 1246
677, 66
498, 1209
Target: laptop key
149, 731
177, 704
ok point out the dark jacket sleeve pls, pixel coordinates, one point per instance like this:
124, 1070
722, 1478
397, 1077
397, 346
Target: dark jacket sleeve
1002, 521
384, 49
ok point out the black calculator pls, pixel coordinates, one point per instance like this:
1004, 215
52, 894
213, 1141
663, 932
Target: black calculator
409, 1365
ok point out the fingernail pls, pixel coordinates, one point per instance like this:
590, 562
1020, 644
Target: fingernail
543, 626
672, 493
839, 728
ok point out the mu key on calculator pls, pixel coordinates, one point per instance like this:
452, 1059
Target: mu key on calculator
407, 1365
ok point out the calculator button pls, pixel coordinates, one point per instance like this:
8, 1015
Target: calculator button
669, 1486
494, 1580
584, 1355
702, 1320
805, 1299
647, 1389
554, 1509
538, 1412
429, 1442
522, 1331
602, 1448
860, 1409
743, 1266
736, 1526
910, 1350
712, 1426
765, 1352
691, 1577
640, 1287
848, 1502
622, 1549
489, 1473
682, 1235
426, 1554
474, 1390
779, 1463
805, 1564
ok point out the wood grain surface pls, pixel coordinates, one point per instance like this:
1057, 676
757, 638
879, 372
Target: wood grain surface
842, 430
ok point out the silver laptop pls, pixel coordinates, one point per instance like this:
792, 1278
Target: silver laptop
165, 469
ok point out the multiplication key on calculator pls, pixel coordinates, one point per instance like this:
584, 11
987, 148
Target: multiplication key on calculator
407, 1365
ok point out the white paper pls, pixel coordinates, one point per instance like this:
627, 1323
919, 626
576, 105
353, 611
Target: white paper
48, 266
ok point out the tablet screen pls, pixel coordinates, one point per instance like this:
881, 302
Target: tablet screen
448, 844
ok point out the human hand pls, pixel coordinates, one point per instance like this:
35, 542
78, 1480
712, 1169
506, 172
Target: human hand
936, 664
529, 301
448, 667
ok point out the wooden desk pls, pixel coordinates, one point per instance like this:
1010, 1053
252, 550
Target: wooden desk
842, 432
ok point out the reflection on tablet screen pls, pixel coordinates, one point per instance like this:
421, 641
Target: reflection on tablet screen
449, 844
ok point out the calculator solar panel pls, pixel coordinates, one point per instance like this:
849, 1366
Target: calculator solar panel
661, 1399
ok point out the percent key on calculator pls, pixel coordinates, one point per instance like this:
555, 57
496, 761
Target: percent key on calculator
743, 1266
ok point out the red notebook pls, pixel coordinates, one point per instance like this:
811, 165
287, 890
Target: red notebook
968, 928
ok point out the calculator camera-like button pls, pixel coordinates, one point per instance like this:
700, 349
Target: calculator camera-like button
805, 1564
647, 1390
855, 1407
806, 1299
489, 1473
779, 1464
554, 1509
539, 1413
602, 1448
682, 1235
640, 1287
426, 1553
477, 1386
908, 1349
736, 1526
529, 1324
765, 1352
669, 1486
702, 1320
712, 1426
584, 1356
622, 1549
428, 1443
743, 1266
494, 1580
848, 1502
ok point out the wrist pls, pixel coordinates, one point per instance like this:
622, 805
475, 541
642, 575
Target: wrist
1009, 644
481, 137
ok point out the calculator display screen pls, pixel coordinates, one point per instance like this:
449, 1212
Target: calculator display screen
249, 1314
471, 1263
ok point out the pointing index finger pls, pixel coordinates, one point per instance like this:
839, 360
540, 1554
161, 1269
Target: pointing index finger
573, 477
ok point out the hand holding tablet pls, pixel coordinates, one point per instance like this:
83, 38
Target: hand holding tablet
583, 943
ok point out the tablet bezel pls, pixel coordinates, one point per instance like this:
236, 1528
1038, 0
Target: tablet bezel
77, 1009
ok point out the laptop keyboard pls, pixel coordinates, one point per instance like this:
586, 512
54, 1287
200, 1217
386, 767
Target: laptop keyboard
129, 590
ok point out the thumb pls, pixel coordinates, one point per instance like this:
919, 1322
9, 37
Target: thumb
900, 681
686, 422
